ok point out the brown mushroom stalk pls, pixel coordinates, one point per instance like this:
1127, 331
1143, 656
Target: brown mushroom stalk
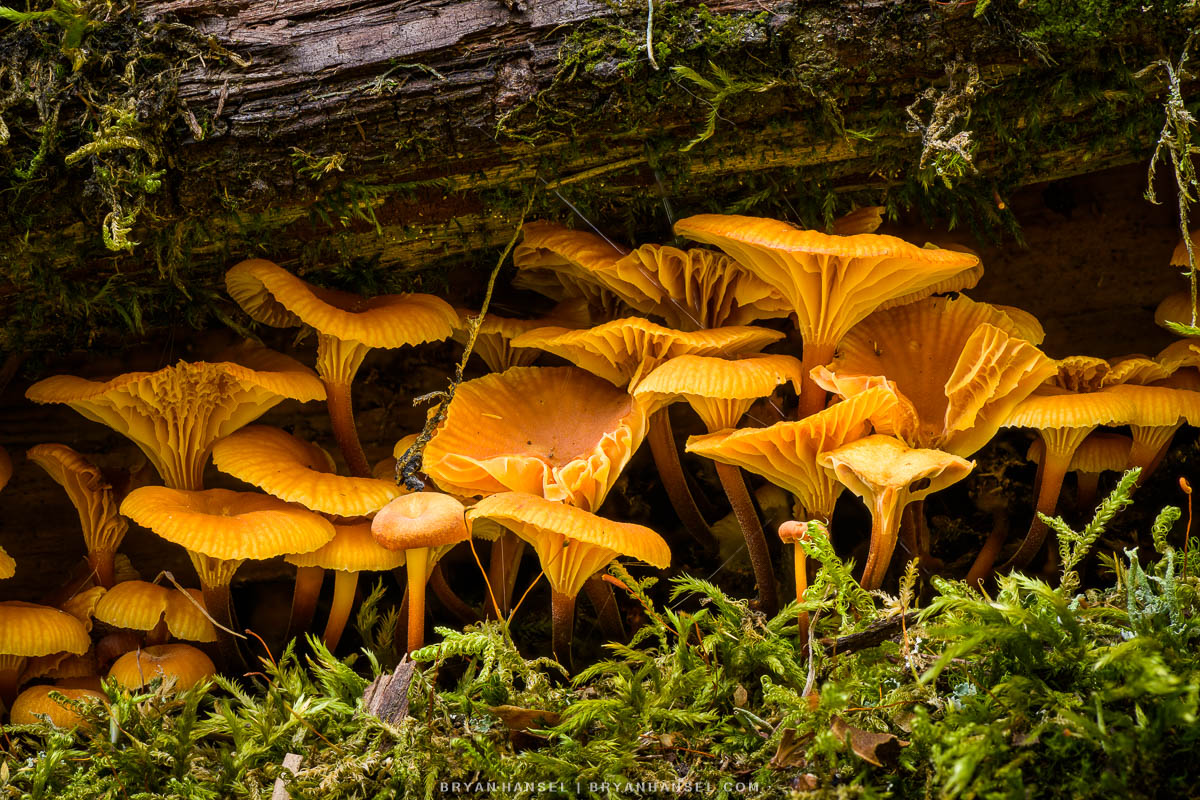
502, 572
341, 419
670, 473
562, 625
756, 541
304, 599
604, 602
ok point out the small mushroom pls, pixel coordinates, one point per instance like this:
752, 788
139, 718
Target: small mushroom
425, 525
158, 611
181, 663
36, 704
28, 631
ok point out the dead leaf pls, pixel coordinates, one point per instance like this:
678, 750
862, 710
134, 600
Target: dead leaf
790, 752
874, 748
740, 696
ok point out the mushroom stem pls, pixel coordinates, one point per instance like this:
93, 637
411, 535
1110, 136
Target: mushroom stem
756, 541
608, 613
670, 472
304, 599
341, 417
1061, 444
10, 678
449, 599
219, 603
159, 634
103, 566
914, 532
502, 572
885, 532
562, 622
813, 397
982, 567
800, 564
417, 566
344, 584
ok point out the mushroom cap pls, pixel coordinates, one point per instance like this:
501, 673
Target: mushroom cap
1157, 406
1052, 408
878, 463
352, 549
572, 544
82, 605
625, 350
90, 493
6, 468
8, 567
175, 414
186, 664
831, 282
562, 263
274, 296
28, 630
786, 453
1175, 308
227, 525
420, 519
492, 342
35, 703
691, 289
1179, 257
291, 469
720, 390
1100, 452
140, 606
555, 431
958, 366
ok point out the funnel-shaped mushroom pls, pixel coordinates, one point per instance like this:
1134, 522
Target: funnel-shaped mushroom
572, 545
175, 414
221, 529
28, 631
831, 282
553, 431
888, 474
157, 610
347, 326
720, 391
103, 527
786, 453
351, 551
425, 526
291, 469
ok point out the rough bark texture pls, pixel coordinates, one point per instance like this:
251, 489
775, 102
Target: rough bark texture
344, 136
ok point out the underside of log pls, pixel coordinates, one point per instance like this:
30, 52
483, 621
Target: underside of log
372, 143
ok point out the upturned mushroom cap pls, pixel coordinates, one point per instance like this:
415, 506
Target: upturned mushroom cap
831, 282
420, 519
225, 526
625, 350
35, 704
185, 664
958, 366
562, 264
572, 544
276, 297
291, 469
352, 549
176, 414
140, 606
28, 630
720, 390
553, 431
89, 491
786, 453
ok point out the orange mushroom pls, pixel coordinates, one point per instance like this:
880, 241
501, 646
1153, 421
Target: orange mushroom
347, 326
157, 610
38, 703
28, 631
93, 497
425, 525
181, 665
1099, 453
830, 282
572, 545
176, 414
888, 474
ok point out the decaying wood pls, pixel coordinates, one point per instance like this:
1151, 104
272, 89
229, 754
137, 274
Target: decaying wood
291, 763
387, 696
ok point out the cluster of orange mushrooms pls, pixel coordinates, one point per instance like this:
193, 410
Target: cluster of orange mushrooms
899, 380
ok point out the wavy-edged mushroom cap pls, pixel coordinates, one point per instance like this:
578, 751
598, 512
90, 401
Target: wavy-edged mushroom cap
28, 631
93, 497
1176, 308
562, 264
555, 431
352, 549
883, 471
420, 519
831, 282
959, 368
82, 605
35, 704
720, 390
226, 526
185, 664
786, 453
571, 543
141, 606
625, 350
274, 296
492, 341
175, 414
291, 469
